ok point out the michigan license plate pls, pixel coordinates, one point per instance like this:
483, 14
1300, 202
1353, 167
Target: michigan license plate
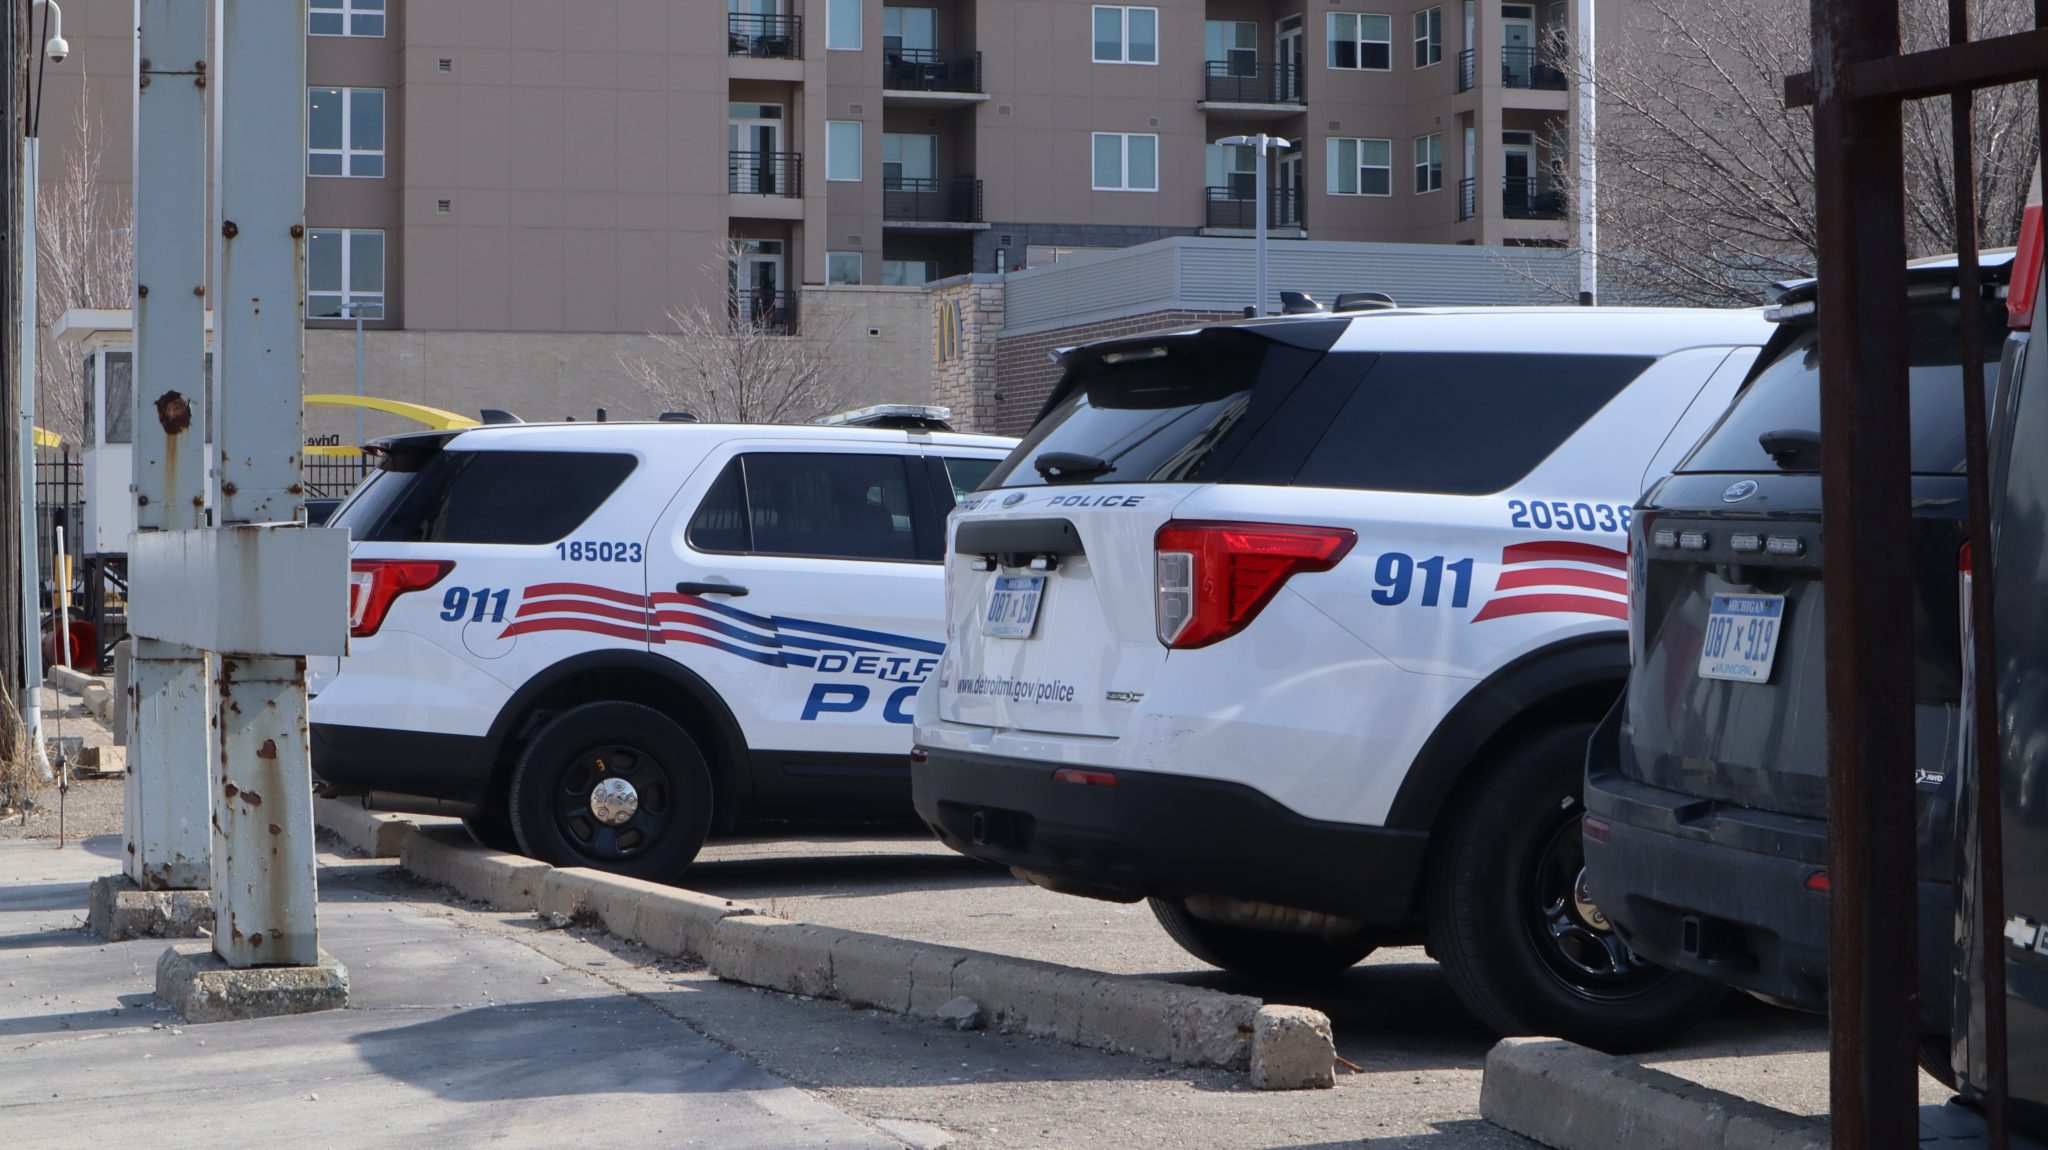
1013, 606
1742, 637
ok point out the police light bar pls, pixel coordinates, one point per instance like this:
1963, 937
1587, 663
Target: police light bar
2026, 263
898, 416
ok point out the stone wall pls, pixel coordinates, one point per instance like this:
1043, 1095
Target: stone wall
882, 336
967, 316
1025, 373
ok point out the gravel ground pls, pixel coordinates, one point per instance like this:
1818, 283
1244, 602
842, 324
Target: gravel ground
89, 806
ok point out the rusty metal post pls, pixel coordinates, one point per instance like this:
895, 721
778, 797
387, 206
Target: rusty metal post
1866, 499
169, 739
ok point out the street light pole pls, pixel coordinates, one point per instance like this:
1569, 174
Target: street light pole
355, 310
1258, 144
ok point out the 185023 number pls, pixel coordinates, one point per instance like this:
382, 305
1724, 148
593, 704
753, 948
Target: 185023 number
1559, 515
598, 551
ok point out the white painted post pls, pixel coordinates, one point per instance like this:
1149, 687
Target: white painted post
169, 795
31, 576
1586, 136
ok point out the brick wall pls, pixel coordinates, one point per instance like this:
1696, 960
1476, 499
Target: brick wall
1025, 373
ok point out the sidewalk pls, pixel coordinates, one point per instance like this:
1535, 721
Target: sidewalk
454, 1037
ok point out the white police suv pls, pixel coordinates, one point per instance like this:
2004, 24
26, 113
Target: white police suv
593, 641
1298, 628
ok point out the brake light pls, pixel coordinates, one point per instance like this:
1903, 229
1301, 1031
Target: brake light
1818, 880
1213, 579
373, 584
2025, 275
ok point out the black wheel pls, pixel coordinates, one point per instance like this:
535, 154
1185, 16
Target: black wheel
1508, 916
615, 786
1261, 953
491, 828
1934, 1059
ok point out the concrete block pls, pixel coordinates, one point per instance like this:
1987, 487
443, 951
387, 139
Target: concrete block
931, 979
69, 681
794, 957
683, 922
1573, 1098
99, 700
99, 762
380, 836
1021, 996
869, 970
1190, 1025
507, 882
118, 909
1292, 1049
662, 918
201, 987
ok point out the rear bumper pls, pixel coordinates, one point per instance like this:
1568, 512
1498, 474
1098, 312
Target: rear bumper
1685, 898
1162, 834
422, 764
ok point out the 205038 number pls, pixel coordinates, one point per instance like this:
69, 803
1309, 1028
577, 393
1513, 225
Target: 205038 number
481, 605
1557, 514
1395, 574
598, 551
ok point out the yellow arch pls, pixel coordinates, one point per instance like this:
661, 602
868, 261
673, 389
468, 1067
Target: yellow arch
333, 450
433, 417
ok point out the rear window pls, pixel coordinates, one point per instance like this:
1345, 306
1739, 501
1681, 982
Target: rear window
821, 506
503, 497
1774, 423
967, 475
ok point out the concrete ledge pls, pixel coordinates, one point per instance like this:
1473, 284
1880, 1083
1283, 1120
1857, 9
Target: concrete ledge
117, 909
380, 836
507, 882
1567, 1096
201, 987
64, 678
99, 700
662, 918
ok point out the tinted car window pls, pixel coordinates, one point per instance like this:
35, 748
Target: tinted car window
506, 497
814, 505
1781, 401
1458, 424
967, 474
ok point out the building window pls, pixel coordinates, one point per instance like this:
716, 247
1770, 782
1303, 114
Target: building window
1234, 43
1429, 37
1233, 168
907, 273
344, 273
345, 132
1361, 167
1126, 162
1429, 163
1361, 41
909, 157
345, 17
842, 267
1126, 35
842, 25
908, 30
842, 150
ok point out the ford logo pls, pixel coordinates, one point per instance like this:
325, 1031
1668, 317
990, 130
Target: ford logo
1737, 492
1018, 497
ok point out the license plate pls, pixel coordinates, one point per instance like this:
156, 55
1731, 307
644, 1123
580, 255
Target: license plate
1013, 606
1742, 637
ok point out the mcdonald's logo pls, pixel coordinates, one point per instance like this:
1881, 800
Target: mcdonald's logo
947, 331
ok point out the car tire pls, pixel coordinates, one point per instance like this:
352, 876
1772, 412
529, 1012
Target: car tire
1506, 918
1934, 1059
490, 827
561, 816
1259, 953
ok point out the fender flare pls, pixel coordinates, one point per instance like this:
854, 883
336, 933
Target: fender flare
1502, 703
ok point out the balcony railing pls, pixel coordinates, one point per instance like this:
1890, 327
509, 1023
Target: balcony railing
1528, 198
1468, 198
1530, 68
1468, 70
765, 173
773, 312
1245, 82
764, 37
924, 70
1230, 208
922, 201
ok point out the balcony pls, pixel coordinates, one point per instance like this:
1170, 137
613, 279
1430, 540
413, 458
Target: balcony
1468, 198
1468, 70
760, 310
1521, 198
1246, 86
764, 37
1230, 210
1527, 68
764, 173
929, 79
936, 204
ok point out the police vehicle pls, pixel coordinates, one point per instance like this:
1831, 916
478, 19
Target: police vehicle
1298, 628
596, 641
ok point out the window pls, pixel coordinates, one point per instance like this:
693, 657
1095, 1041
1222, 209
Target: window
842, 267
842, 150
345, 17
121, 397
908, 30
1429, 37
967, 474
1361, 167
908, 157
1126, 162
344, 271
842, 25
1233, 167
1361, 40
907, 273
1232, 42
1126, 35
1429, 162
502, 497
345, 132
813, 505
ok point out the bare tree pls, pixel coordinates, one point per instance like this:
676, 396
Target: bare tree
84, 258
1706, 179
748, 362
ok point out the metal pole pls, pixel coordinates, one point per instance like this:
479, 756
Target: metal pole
60, 567
1259, 177
1866, 501
31, 567
357, 310
1587, 107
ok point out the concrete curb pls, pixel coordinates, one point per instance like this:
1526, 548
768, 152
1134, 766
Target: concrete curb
1573, 1098
380, 836
1289, 1048
73, 681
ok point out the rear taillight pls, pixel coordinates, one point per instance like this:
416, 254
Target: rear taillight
373, 584
1213, 579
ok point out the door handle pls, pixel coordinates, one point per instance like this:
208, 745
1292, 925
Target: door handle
732, 589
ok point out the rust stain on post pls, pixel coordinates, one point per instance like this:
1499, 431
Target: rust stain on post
173, 412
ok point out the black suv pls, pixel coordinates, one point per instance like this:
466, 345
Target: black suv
1706, 797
